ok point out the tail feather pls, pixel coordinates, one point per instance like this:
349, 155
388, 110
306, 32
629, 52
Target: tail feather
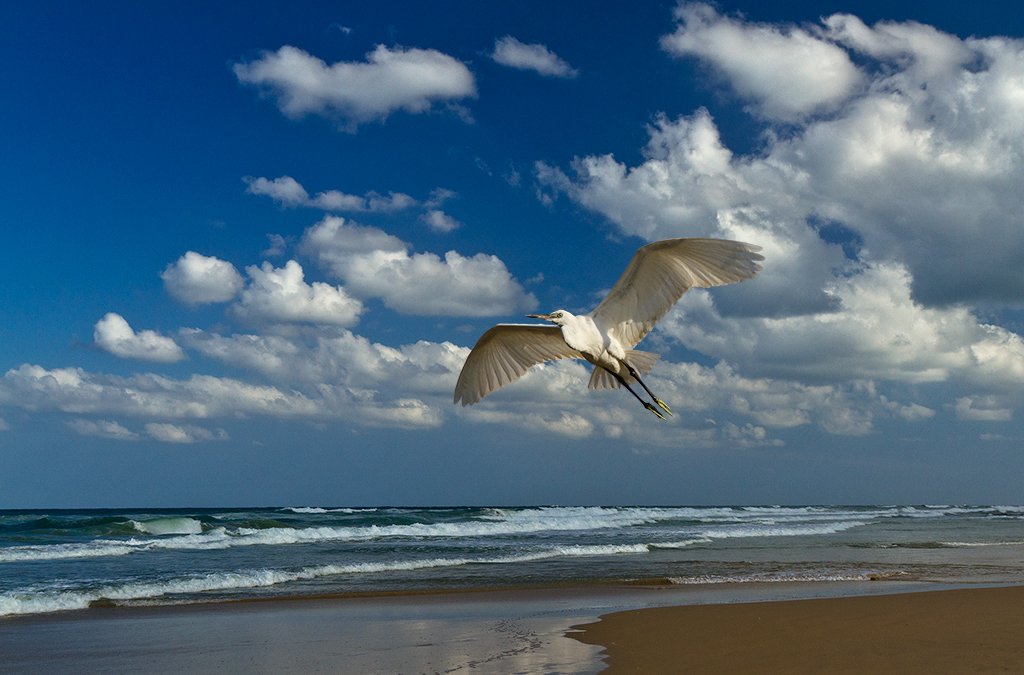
642, 361
602, 379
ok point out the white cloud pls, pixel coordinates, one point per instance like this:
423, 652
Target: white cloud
877, 331
114, 335
356, 92
439, 221
403, 413
787, 71
692, 185
103, 429
552, 421
509, 51
374, 264
439, 196
331, 375
982, 409
278, 245
174, 433
74, 390
914, 412
922, 50
196, 279
551, 398
337, 358
289, 192
713, 406
282, 295
747, 436
284, 190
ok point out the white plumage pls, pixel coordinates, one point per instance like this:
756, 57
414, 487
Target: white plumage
653, 282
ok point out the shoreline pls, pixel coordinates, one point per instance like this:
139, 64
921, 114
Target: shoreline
725, 592
490, 631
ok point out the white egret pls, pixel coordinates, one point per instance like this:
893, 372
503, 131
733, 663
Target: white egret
653, 282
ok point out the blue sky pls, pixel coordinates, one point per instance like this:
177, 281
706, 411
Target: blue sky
249, 247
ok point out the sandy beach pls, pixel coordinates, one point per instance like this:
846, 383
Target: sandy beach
724, 628
954, 631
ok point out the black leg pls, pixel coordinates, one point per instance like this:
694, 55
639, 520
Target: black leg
636, 376
645, 403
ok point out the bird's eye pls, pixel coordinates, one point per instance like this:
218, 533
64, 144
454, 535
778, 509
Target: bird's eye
558, 315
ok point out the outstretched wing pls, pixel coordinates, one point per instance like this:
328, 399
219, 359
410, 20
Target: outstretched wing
504, 353
661, 272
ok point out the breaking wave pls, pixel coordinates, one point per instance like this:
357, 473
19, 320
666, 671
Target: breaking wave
62, 600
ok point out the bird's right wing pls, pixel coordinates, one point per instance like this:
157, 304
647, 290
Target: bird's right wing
504, 353
661, 272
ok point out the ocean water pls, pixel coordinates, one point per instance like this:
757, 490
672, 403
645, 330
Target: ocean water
67, 560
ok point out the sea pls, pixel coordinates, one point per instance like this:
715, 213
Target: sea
70, 560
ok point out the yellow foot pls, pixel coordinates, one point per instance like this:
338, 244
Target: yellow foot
663, 406
654, 410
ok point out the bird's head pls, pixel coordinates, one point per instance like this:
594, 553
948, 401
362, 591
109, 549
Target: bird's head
559, 317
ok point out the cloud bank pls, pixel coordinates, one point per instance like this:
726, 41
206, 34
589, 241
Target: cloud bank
887, 202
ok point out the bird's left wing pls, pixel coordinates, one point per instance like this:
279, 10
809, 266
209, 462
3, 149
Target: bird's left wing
661, 272
504, 353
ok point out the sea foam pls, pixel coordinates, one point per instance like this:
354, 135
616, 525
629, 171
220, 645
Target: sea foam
169, 526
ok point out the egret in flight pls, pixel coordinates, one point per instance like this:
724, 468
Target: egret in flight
653, 282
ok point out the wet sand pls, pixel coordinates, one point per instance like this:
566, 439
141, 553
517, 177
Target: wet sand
979, 630
767, 628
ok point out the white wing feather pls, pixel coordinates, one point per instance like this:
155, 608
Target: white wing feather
504, 353
661, 272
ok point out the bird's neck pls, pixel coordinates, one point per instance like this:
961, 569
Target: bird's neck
581, 334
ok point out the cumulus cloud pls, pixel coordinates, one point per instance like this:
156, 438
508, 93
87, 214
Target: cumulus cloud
113, 334
196, 279
284, 190
788, 72
103, 429
374, 264
692, 185
289, 192
388, 80
282, 295
439, 221
509, 51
